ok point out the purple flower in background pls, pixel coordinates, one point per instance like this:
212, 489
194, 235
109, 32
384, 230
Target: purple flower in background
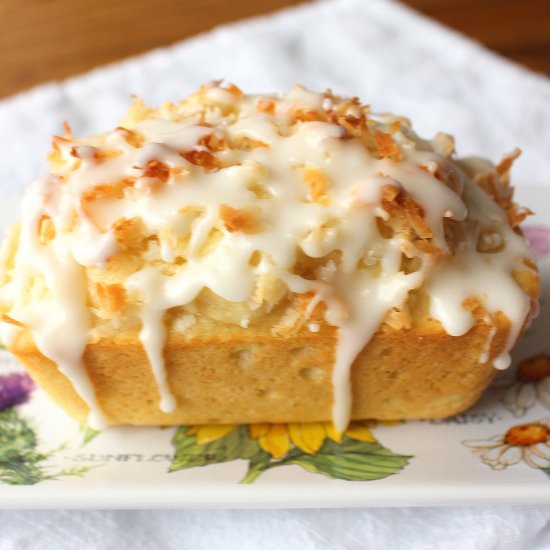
538, 237
14, 389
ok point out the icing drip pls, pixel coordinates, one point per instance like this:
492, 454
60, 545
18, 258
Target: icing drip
484, 356
254, 198
153, 333
59, 325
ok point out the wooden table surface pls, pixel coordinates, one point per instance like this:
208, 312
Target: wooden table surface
51, 39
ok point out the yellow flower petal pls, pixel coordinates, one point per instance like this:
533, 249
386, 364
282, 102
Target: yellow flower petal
360, 433
276, 442
333, 433
308, 436
258, 430
208, 433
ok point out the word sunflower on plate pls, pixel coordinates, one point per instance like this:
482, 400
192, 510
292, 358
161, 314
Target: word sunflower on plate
353, 455
529, 443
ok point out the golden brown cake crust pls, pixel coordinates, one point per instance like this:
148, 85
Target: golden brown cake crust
400, 374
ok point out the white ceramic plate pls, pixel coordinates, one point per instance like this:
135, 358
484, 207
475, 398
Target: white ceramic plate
497, 452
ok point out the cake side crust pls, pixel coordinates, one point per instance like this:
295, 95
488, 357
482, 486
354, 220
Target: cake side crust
399, 375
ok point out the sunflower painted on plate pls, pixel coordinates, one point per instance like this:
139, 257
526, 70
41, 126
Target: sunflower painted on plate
315, 446
277, 439
528, 443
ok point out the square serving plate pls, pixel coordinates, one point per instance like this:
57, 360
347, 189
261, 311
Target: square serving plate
496, 452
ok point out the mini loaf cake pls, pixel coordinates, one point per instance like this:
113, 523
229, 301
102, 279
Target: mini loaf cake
242, 258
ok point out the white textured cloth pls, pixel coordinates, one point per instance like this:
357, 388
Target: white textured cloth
472, 528
395, 60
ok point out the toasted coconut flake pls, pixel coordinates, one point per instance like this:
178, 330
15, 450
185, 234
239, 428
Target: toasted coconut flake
395, 126
129, 233
298, 312
156, 169
213, 142
266, 105
444, 144
203, 158
106, 191
427, 247
491, 183
132, 137
403, 208
88, 152
355, 126
137, 112
517, 214
239, 219
503, 167
391, 197
529, 281
385, 145
58, 142
474, 305
318, 183
46, 230
305, 115
269, 290
55, 157
7, 319
235, 90
436, 170
67, 130
84, 152
244, 143
495, 183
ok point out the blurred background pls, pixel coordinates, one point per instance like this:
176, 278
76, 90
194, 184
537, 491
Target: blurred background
45, 40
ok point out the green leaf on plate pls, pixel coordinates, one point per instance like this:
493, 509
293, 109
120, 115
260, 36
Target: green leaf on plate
189, 454
546, 471
351, 460
88, 434
258, 464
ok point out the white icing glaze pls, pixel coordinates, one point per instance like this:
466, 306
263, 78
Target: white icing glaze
485, 354
269, 183
60, 324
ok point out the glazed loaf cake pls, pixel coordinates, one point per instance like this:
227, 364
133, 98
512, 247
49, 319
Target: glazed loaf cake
242, 258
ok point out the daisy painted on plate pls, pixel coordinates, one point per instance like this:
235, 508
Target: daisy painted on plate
529, 443
533, 384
